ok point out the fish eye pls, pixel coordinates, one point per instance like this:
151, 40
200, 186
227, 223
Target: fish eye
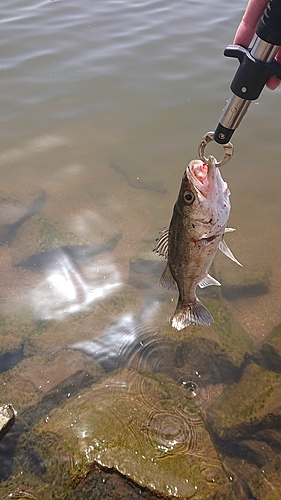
188, 197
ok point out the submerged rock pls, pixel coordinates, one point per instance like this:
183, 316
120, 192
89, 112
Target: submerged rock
15, 327
47, 379
15, 210
268, 353
146, 422
145, 428
7, 418
110, 485
226, 332
245, 423
41, 242
243, 282
19, 493
37, 386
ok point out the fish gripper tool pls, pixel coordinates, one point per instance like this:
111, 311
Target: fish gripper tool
257, 64
228, 149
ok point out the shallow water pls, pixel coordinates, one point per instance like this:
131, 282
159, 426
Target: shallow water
103, 105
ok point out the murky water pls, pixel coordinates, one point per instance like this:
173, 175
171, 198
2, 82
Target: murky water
102, 106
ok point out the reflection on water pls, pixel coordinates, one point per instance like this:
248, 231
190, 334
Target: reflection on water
113, 348
103, 104
67, 289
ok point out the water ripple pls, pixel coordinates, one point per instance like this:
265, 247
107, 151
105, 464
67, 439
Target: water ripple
194, 389
173, 433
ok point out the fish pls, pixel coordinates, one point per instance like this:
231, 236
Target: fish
190, 243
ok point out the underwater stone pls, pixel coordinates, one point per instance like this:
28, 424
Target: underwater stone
245, 423
40, 235
269, 351
144, 428
16, 209
265, 484
254, 396
226, 332
7, 418
40, 375
15, 327
243, 282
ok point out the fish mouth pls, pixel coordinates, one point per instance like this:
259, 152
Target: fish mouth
202, 176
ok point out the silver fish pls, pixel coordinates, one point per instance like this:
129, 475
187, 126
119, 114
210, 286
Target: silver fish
190, 242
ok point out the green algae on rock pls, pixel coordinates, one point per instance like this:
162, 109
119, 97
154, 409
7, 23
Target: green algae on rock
226, 332
268, 352
258, 391
265, 484
16, 325
254, 396
146, 429
19, 493
35, 377
126, 300
245, 422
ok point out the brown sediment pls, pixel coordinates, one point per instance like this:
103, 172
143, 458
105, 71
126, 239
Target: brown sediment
15, 282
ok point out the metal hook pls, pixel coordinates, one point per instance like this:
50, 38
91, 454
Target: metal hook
228, 150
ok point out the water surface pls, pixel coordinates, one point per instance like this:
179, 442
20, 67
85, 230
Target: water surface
103, 105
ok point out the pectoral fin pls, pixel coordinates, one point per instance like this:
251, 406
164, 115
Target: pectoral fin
224, 249
208, 281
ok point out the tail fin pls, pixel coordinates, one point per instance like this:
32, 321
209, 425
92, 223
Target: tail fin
193, 314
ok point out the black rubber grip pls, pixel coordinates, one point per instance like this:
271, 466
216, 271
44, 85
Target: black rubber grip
250, 78
222, 135
269, 26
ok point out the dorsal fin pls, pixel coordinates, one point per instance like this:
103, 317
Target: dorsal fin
162, 243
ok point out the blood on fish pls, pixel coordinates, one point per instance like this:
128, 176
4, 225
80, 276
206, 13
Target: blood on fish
200, 170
